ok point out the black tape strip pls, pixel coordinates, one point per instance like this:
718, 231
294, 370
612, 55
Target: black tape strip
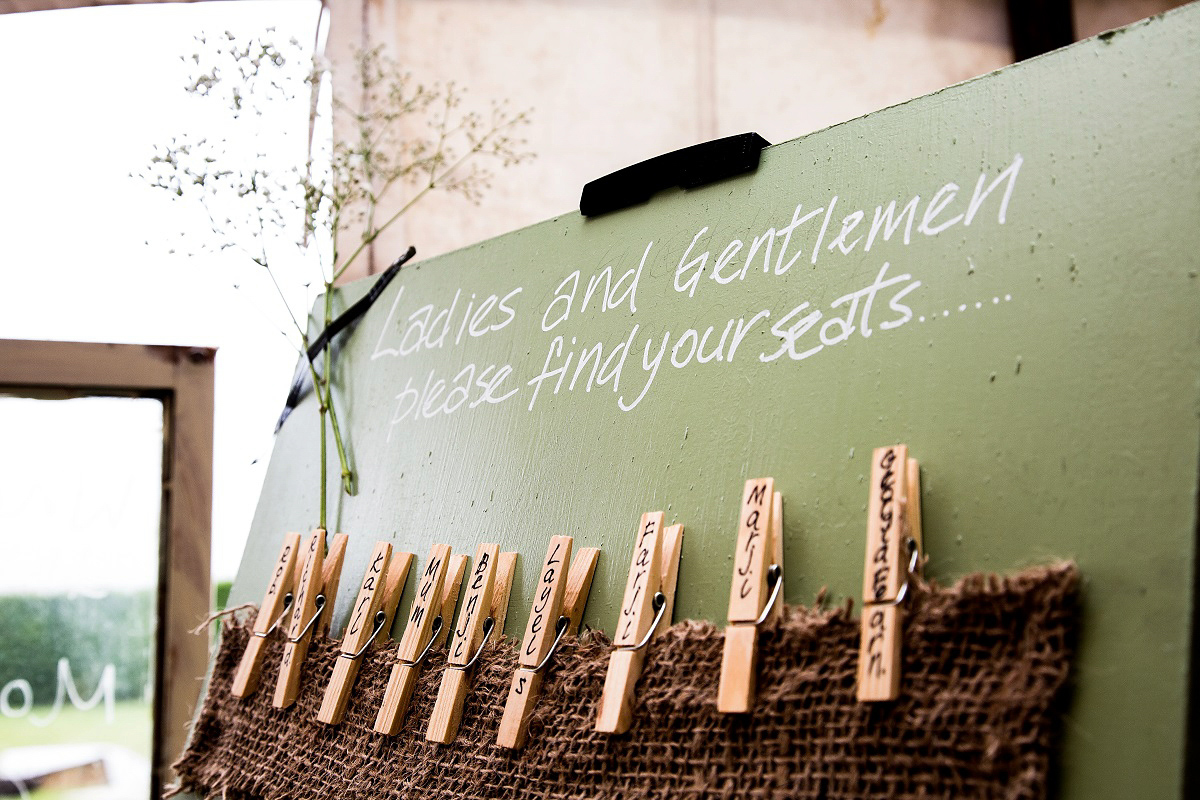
360, 307
687, 168
301, 380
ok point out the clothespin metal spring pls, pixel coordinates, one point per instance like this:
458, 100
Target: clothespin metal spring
434, 630
287, 604
659, 604
914, 559
774, 573
560, 628
380, 618
488, 625
320, 604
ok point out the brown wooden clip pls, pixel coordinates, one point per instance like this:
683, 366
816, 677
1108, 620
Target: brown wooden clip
456, 572
912, 511
275, 605
646, 610
315, 591
331, 579
776, 612
424, 624
559, 598
579, 585
755, 593
370, 617
506, 570
893, 558
476, 624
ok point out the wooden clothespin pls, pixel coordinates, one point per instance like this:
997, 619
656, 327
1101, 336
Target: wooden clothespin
646, 610
316, 589
371, 615
776, 612
331, 578
757, 584
476, 624
394, 583
456, 571
912, 511
424, 624
557, 601
506, 569
579, 585
275, 604
893, 554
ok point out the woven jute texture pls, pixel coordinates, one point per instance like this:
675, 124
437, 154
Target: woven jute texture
985, 663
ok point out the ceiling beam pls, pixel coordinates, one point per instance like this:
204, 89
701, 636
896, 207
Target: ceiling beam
16, 6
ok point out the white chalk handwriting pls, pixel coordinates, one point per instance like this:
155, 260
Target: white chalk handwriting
629, 364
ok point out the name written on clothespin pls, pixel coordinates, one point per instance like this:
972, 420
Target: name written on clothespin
574, 600
318, 582
547, 625
476, 624
275, 605
424, 624
892, 551
370, 617
755, 559
645, 611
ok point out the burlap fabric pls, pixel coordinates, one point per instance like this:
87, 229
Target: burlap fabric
985, 663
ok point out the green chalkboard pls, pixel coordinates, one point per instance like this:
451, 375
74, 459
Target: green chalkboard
1003, 275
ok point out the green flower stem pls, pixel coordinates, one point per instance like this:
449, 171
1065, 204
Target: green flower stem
324, 391
320, 399
349, 484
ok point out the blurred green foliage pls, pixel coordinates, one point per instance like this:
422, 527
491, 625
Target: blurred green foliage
89, 631
223, 588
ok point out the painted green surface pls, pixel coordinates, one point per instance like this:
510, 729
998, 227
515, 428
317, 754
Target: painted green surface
1052, 391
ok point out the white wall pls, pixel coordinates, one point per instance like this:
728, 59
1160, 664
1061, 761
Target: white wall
612, 82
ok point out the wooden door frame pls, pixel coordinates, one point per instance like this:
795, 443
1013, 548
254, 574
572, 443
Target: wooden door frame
183, 379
